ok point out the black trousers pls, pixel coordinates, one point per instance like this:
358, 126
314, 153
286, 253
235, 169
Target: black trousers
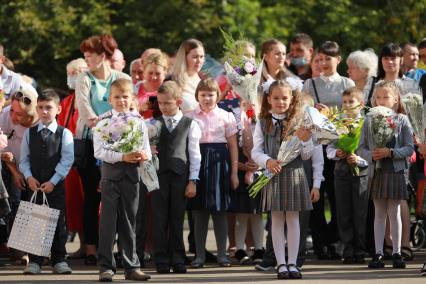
169, 204
352, 206
56, 200
323, 233
90, 177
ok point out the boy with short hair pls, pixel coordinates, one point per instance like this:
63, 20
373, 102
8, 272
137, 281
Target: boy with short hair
120, 187
351, 190
180, 160
47, 154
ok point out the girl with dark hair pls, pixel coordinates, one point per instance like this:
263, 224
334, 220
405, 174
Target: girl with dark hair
326, 91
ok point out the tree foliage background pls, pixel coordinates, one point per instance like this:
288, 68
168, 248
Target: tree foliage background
41, 36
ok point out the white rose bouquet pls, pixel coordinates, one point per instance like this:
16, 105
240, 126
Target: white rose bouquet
382, 125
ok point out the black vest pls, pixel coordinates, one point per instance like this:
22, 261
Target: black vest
45, 155
172, 147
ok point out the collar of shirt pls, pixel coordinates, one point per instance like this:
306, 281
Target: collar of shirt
199, 111
330, 79
129, 113
52, 126
177, 117
5, 73
278, 117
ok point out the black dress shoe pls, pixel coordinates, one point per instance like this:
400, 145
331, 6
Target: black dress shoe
90, 260
294, 272
397, 261
283, 274
210, 258
376, 262
179, 268
163, 268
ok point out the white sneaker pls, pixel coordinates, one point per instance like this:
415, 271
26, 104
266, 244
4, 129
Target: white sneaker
62, 268
32, 268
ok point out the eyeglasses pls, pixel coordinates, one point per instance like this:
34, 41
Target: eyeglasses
23, 98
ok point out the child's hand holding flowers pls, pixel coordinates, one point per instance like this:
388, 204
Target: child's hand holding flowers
340, 154
303, 134
381, 153
273, 166
135, 157
352, 159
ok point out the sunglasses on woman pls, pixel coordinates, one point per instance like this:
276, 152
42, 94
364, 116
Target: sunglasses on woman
23, 98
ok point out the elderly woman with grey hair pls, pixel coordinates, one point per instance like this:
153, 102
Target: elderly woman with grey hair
362, 69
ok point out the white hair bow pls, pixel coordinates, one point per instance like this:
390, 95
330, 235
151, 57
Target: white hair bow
294, 82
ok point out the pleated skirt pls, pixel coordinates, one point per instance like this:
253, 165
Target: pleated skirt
388, 185
287, 191
213, 189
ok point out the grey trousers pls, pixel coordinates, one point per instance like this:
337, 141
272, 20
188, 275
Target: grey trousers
142, 221
220, 226
119, 207
351, 206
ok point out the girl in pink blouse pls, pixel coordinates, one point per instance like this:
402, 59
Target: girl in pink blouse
218, 173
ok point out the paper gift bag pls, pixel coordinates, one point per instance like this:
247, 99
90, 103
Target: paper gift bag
34, 227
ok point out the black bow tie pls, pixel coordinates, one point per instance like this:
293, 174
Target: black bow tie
278, 122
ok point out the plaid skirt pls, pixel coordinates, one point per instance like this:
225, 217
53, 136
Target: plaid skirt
214, 186
388, 185
287, 191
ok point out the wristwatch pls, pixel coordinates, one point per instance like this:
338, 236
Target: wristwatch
194, 181
391, 153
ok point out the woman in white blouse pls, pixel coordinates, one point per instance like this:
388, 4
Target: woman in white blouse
188, 63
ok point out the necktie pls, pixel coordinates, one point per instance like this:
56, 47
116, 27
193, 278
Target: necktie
278, 123
44, 133
170, 122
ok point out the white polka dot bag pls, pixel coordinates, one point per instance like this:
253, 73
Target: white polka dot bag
34, 227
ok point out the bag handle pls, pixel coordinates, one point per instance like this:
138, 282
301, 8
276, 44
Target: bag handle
315, 90
33, 198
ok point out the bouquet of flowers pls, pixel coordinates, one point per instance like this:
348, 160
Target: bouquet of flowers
289, 150
154, 131
243, 74
382, 125
321, 127
413, 105
349, 136
121, 133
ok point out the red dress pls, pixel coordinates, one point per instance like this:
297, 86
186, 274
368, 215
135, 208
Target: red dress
74, 194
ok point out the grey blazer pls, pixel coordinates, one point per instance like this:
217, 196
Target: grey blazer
403, 149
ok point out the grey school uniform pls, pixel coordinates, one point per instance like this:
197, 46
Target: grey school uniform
389, 182
287, 191
328, 89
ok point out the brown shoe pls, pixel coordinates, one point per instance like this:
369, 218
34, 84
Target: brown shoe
137, 275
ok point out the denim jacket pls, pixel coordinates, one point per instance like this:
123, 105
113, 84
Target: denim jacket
403, 149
